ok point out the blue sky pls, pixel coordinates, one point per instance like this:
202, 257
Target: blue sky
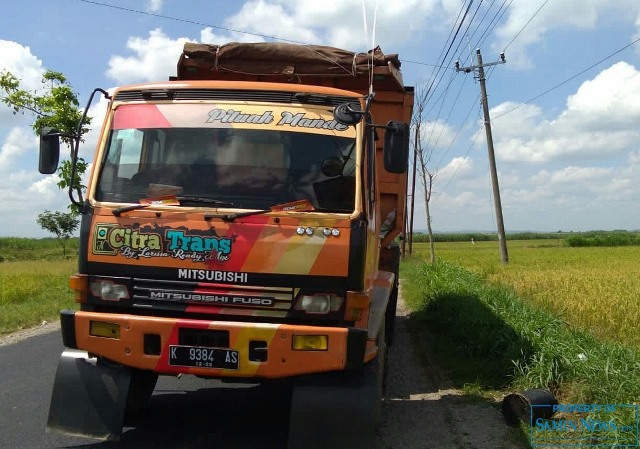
567, 160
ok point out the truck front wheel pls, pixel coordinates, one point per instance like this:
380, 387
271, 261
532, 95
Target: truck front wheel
339, 409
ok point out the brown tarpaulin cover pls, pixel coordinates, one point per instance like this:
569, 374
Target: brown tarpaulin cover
284, 59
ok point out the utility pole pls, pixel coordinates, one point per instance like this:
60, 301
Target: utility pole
492, 159
413, 188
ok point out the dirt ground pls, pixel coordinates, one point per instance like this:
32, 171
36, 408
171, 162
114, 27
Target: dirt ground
44, 328
421, 412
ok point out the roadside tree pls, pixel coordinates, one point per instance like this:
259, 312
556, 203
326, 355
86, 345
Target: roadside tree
62, 224
55, 105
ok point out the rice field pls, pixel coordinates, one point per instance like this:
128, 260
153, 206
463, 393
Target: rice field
593, 288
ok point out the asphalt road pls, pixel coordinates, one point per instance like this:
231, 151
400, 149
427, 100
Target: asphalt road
218, 415
419, 412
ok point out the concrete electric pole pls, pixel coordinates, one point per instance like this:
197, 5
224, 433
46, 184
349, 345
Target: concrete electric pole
492, 159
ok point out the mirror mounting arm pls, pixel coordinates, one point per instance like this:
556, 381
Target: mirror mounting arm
74, 148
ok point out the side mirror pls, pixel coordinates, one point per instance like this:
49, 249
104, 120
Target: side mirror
396, 147
49, 150
348, 113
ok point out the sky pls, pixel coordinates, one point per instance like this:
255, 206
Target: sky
564, 108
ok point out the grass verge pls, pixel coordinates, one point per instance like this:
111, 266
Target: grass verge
485, 335
18, 248
34, 291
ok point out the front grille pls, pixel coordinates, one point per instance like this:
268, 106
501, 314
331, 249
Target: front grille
216, 298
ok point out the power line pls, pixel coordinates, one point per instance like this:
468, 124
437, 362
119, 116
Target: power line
570, 78
476, 30
492, 24
496, 17
443, 95
526, 24
529, 101
189, 21
441, 66
473, 142
462, 85
218, 27
426, 95
464, 122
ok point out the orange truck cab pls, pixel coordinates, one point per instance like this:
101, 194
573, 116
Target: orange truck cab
239, 223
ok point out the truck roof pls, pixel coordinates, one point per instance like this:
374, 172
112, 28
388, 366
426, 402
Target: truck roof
241, 85
291, 63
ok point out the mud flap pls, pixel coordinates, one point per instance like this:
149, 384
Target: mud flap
336, 410
89, 397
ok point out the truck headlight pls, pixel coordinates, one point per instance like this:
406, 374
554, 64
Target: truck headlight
321, 303
108, 290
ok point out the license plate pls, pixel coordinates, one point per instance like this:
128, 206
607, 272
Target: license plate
202, 357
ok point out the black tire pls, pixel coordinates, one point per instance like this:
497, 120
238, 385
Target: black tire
381, 363
390, 314
392, 264
347, 402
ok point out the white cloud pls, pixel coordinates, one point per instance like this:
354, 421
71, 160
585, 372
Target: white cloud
600, 120
154, 5
19, 60
610, 101
460, 167
154, 59
580, 175
24, 192
341, 23
46, 188
436, 134
329, 23
18, 142
207, 36
563, 15
270, 19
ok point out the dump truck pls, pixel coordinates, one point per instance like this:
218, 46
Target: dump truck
240, 223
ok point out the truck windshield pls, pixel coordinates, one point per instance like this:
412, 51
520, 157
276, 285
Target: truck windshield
250, 168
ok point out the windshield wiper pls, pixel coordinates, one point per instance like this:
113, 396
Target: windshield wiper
232, 217
202, 200
182, 199
119, 210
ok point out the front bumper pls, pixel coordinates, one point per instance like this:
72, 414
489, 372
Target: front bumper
346, 346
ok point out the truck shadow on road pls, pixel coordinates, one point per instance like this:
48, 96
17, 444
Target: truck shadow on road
225, 416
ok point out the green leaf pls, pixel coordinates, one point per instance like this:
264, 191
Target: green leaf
55, 105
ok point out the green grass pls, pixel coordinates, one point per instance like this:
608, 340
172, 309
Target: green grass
610, 239
34, 291
16, 248
590, 238
488, 337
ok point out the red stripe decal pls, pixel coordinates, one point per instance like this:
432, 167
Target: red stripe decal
139, 116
